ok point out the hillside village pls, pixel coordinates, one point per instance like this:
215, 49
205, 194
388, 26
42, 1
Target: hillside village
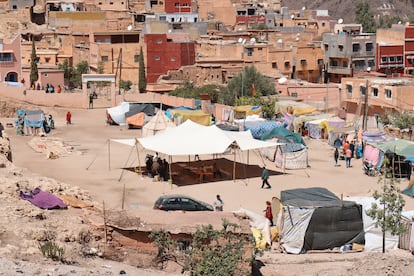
328, 64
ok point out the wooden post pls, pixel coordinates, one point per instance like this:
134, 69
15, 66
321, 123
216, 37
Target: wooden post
104, 217
139, 160
123, 197
109, 154
234, 162
170, 170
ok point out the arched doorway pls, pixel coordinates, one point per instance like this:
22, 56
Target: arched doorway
11, 76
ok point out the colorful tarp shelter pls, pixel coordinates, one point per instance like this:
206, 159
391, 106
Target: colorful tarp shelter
198, 116
243, 111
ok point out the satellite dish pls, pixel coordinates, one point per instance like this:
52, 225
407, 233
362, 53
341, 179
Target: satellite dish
279, 40
303, 8
240, 40
368, 69
340, 21
129, 27
399, 22
282, 80
252, 40
169, 31
292, 16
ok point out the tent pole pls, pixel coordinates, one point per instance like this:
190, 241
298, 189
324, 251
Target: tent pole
126, 163
234, 164
96, 156
170, 170
109, 154
139, 160
123, 197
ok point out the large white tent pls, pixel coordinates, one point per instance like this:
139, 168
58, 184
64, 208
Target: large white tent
191, 138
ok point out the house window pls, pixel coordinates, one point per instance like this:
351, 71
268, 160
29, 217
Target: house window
45, 75
399, 59
320, 61
334, 62
392, 59
410, 60
14, 7
107, 40
47, 60
185, 5
362, 90
6, 57
369, 47
371, 63
173, 59
384, 59
259, 49
388, 93
177, 4
375, 92
303, 62
249, 52
159, 41
341, 48
104, 58
163, 18
287, 64
344, 64
157, 58
274, 65
326, 47
356, 47
349, 89
136, 58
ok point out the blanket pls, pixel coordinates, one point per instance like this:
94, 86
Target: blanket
43, 200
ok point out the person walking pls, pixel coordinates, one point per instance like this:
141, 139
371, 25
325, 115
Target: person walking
336, 157
348, 156
68, 118
268, 212
265, 178
91, 101
218, 204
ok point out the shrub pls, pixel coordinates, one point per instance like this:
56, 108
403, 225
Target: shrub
52, 251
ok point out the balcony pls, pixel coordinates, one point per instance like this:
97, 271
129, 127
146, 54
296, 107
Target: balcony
339, 70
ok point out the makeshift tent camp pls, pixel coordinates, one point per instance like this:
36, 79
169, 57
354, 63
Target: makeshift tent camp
118, 114
316, 219
317, 129
157, 123
243, 111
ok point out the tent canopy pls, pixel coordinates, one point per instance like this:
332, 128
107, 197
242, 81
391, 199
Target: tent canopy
399, 147
158, 123
197, 116
285, 135
191, 138
310, 197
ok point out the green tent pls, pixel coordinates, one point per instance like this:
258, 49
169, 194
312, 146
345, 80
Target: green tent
284, 134
400, 147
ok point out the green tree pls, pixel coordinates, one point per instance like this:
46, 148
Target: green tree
187, 90
125, 85
34, 73
364, 16
142, 81
81, 68
400, 120
387, 214
210, 252
267, 104
67, 70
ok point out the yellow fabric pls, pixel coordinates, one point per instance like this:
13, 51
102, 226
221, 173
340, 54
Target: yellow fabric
274, 233
246, 110
136, 120
197, 116
259, 238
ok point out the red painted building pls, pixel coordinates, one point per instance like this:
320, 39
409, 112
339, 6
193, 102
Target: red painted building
390, 59
409, 49
177, 6
164, 54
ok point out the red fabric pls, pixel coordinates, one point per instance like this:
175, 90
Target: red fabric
269, 212
253, 90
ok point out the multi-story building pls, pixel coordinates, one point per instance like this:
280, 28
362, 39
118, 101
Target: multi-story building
390, 50
167, 52
348, 50
10, 59
383, 94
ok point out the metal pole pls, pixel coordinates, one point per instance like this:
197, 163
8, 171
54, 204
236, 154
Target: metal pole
365, 118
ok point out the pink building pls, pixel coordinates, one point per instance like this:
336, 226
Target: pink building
10, 60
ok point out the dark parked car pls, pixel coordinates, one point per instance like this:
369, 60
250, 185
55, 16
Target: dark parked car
181, 202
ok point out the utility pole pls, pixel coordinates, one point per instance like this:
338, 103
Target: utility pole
365, 118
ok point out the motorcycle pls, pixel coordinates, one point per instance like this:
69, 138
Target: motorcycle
369, 169
51, 122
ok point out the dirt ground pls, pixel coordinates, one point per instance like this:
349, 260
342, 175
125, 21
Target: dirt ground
92, 163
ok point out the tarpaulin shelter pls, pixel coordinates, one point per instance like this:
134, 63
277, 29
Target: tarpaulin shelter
118, 114
294, 108
243, 111
198, 116
316, 219
317, 128
291, 156
284, 135
34, 118
299, 121
264, 127
136, 120
157, 123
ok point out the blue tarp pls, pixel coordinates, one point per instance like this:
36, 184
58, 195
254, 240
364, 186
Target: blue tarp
259, 130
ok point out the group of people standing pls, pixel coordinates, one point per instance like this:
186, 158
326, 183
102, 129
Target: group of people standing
157, 167
344, 149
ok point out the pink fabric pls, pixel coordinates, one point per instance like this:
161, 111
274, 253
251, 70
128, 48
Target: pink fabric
371, 154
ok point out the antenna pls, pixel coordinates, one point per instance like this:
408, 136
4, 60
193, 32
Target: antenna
340, 21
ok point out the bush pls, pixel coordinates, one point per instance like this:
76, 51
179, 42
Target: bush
52, 251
